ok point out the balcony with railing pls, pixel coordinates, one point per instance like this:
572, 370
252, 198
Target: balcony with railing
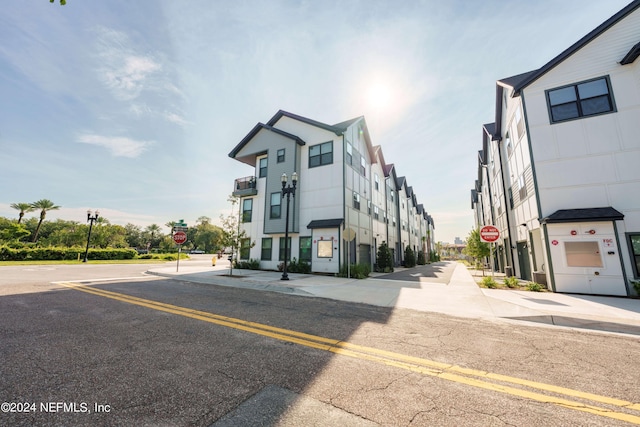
245, 186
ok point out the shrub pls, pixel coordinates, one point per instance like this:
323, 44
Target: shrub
296, 266
636, 286
409, 257
57, 253
511, 282
489, 282
358, 271
421, 258
384, 259
534, 287
252, 264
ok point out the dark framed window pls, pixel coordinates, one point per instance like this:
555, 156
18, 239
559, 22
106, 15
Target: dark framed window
363, 168
510, 192
349, 157
276, 202
245, 248
376, 181
247, 209
325, 249
583, 99
522, 188
321, 154
305, 249
262, 173
376, 213
280, 158
267, 246
281, 254
634, 247
356, 200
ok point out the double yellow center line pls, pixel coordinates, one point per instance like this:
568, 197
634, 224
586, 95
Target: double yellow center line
559, 396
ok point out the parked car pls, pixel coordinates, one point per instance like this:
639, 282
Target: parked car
196, 252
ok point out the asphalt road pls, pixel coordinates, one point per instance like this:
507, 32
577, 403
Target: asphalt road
162, 352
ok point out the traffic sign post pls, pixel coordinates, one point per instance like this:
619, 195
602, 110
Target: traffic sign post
179, 237
489, 234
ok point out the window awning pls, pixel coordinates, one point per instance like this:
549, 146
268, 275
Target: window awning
325, 223
583, 215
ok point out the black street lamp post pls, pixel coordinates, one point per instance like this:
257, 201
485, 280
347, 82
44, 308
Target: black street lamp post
91, 220
287, 190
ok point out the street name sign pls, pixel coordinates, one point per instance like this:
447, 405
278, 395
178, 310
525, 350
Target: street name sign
489, 234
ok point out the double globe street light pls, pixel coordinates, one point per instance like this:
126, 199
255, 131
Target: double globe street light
287, 190
91, 220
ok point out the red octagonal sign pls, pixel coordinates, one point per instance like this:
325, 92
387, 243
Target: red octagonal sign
489, 234
179, 237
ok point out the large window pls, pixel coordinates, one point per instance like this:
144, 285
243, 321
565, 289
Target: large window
263, 168
583, 254
276, 200
305, 249
580, 100
247, 209
280, 155
349, 153
245, 247
325, 249
267, 246
281, 254
522, 187
321, 154
634, 246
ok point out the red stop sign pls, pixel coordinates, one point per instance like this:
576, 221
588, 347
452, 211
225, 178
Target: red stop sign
489, 234
179, 237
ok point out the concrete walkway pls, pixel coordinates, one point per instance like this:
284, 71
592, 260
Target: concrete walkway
460, 297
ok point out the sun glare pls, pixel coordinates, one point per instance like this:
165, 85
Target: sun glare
379, 96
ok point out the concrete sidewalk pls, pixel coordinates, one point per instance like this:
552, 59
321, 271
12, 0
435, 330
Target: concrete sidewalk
461, 297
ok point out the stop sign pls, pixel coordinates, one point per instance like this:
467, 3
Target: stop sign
489, 234
179, 237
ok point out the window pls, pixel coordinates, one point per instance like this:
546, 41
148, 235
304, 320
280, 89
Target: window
263, 168
349, 153
393, 196
281, 255
247, 208
634, 246
245, 247
583, 254
510, 192
321, 154
508, 145
305, 249
376, 213
580, 100
522, 188
267, 244
276, 200
369, 207
363, 169
280, 155
377, 181
325, 249
519, 123
356, 200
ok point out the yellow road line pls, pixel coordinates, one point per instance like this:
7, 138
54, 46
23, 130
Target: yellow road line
411, 363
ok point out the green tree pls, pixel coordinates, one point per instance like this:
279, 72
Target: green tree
231, 232
44, 205
476, 248
23, 208
409, 257
11, 231
153, 232
62, 2
133, 235
384, 258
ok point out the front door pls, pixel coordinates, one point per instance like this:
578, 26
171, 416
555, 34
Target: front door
523, 260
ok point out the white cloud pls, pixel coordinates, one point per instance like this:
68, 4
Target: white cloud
123, 70
118, 146
175, 118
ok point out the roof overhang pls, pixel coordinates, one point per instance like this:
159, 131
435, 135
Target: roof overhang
325, 223
583, 215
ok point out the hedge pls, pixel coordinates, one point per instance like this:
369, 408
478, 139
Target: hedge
59, 254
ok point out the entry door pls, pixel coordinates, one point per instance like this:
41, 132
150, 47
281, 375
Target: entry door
523, 260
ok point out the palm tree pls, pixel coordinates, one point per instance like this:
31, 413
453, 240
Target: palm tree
152, 229
23, 208
44, 205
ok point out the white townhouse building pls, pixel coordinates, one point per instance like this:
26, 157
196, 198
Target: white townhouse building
559, 169
348, 200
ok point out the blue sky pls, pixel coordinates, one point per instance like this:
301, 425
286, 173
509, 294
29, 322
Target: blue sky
131, 107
